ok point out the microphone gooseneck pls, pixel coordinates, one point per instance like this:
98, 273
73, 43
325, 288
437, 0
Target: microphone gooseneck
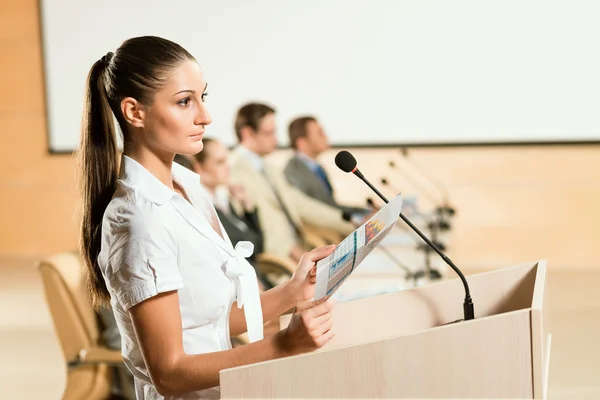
347, 163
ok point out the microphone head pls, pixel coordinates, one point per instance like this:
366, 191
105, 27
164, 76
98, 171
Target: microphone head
345, 161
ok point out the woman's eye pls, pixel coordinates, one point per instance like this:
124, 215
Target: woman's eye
184, 102
204, 96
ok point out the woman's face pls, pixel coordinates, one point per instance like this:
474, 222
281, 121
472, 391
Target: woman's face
176, 120
214, 170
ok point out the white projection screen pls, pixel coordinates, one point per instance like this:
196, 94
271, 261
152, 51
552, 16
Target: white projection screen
376, 72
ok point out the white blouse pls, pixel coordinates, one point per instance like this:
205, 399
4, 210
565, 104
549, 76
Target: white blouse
153, 241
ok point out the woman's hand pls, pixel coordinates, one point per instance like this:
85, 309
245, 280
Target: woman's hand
301, 286
309, 329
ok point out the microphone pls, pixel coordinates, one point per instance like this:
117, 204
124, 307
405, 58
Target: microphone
347, 163
436, 182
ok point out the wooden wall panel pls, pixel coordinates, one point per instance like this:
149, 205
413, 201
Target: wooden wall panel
515, 204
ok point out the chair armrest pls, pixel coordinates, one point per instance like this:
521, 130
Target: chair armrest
318, 237
273, 261
97, 355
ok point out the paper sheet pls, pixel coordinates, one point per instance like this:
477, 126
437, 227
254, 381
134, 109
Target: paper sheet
333, 270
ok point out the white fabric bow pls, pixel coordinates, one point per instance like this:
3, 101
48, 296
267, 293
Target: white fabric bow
239, 270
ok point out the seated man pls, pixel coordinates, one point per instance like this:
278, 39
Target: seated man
304, 172
283, 210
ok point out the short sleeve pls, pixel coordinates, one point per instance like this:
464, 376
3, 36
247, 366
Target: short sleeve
143, 257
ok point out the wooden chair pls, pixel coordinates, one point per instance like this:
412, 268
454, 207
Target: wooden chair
88, 363
318, 237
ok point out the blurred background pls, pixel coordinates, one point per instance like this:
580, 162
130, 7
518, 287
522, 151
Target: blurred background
490, 108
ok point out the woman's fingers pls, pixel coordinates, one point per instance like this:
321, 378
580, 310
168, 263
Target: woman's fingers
319, 309
325, 338
307, 305
309, 259
322, 329
314, 323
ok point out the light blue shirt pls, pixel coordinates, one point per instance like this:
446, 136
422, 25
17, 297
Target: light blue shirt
255, 160
313, 165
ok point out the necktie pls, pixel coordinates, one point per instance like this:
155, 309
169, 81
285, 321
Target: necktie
323, 176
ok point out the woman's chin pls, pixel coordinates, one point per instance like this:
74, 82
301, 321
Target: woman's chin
193, 147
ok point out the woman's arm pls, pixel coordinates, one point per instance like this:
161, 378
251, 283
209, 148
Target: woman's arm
282, 298
157, 323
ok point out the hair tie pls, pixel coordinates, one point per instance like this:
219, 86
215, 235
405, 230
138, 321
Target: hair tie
106, 59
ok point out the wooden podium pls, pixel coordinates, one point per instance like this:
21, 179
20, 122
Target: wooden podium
407, 345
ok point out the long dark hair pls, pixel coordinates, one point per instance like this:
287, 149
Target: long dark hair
137, 69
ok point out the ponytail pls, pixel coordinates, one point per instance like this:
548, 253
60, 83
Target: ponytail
98, 174
138, 68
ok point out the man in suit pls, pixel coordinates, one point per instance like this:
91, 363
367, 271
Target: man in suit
304, 172
283, 210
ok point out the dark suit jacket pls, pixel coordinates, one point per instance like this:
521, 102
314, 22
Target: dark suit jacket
245, 228
303, 178
242, 228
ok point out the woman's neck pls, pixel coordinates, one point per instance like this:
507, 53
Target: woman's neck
159, 166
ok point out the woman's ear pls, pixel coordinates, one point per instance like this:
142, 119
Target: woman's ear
133, 112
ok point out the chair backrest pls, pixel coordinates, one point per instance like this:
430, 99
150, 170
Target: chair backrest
74, 319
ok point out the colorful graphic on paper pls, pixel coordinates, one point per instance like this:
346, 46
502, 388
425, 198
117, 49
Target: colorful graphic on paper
344, 259
372, 229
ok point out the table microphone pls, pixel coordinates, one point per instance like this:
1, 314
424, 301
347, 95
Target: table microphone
436, 182
442, 224
347, 163
415, 184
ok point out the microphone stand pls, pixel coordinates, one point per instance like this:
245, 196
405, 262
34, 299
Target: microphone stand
347, 163
445, 208
428, 271
439, 209
468, 308
409, 275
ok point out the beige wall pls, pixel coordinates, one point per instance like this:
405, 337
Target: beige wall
37, 189
514, 203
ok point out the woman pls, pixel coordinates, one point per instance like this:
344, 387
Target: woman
152, 242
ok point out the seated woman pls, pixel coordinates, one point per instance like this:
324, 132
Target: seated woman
237, 214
